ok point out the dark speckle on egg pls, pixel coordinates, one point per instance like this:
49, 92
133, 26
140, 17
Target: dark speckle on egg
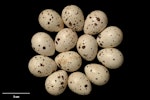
101, 44
85, 85
83, 47
70, 24
62, 83
44, 47
58, 39
56, 42
41, 64
98, 19
39, 71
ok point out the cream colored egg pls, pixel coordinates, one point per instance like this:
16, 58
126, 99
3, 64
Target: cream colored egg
111, 36
56, 83
65, 40
95, 22
43, 44
79, 83
87, 47
97, 73
110, 57
50, 20
73, 17
41, 66
69, 61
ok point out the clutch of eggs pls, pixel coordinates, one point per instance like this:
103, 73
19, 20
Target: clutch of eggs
56, 70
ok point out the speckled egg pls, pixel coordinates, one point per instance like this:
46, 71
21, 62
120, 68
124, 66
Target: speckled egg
65, 40
69, 61
110, 57
95, 22
73, 17
56, 83
87, 47
79, 83
41, 66
111, 36
43, 44
97, 73
50, 20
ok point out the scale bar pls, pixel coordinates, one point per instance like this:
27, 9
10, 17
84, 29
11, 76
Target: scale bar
15, 92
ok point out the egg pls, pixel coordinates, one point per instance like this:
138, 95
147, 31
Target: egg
111, 58
41, 66
69, 61
50, 20
43, 44
73, 17
95, 22
97, 73
111, 36
56, 83
65, 40
79, 83
87, 47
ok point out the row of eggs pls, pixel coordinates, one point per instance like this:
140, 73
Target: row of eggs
108, 38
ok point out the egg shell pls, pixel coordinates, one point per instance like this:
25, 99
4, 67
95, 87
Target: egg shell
69, 61
111, 36
97, 73
79, 83
87, 47
41, 66
73, 17
95, 22
42, 43
110, 57
56, 83
50, 20
65, 40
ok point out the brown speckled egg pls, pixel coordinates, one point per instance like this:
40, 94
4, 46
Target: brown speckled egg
41, 66
111, 58
69, 61
79, 83
97, 73
50, 20
87, 47
111, 36
56, 83
65, 40
95, 22
43, 44
73, 17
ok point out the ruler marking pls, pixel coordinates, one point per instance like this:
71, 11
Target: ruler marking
15, 92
